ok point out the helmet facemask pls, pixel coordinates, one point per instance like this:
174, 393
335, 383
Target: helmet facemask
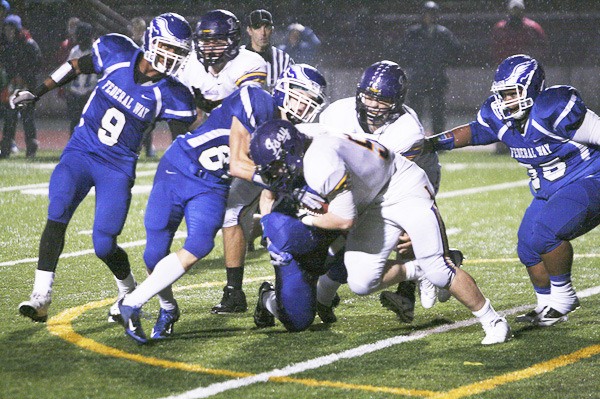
213, 50
167, 55
382, 111
301, 103
516, 106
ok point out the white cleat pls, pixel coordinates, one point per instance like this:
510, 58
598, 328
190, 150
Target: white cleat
496, 332
427, 292
36, 308
114, 314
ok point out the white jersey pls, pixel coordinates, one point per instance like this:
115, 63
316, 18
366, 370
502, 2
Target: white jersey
348, 167
247, 68
404, 136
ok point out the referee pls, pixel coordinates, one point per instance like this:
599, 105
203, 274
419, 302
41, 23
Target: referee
260, 30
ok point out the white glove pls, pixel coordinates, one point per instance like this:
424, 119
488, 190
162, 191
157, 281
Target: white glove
22, 98
309, 198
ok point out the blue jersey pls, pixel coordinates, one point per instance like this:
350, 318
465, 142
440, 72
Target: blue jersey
206, 149
120, 111
546, 147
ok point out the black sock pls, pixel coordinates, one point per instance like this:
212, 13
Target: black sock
235, 276
51, 245
118, 263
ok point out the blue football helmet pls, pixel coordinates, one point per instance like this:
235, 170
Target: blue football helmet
385, 83
300, 93
277, 148
217, 37
521, 75
167, 42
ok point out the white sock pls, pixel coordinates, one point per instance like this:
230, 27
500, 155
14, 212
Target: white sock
43, 282
270, 302
543, 300
563, 297
166, 299
166, 272
326, 289
413, 271
126, 285
486, 314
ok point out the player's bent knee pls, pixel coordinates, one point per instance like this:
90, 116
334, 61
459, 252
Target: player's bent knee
199, 246
104, 244
437, 271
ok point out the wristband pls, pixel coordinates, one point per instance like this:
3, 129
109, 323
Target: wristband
443, 141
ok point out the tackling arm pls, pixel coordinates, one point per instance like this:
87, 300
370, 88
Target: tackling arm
240, 164
458, 137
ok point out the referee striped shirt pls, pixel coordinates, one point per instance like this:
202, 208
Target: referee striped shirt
277, 60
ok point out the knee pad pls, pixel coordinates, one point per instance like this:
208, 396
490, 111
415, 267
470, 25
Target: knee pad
364, 272
437, 270
104, 244
200, 246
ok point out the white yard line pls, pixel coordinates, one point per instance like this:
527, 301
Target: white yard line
214, 389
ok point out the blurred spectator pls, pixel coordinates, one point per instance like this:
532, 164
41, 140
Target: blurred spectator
137, 30
427, 50
79, 90
517, 35
260, 30
68, 43
21, 58
302, 44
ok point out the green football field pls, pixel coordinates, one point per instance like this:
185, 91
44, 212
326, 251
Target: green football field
368, 353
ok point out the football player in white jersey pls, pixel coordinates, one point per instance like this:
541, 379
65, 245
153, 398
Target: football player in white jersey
378, 112
372, 194
218, 67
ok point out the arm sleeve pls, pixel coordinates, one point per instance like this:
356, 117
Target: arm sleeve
589, 131
86, 65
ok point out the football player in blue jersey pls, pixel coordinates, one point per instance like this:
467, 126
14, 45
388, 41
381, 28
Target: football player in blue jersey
555, 136
136, 89
192, 182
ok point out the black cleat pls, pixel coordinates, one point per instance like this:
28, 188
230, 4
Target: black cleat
233, 301
401, 302
326, 312
262, 317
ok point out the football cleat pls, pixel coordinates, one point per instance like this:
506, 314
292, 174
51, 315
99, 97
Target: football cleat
427, 293
164, 324
262, 317
401, 302
36, 308
132, 322
457, 257
550, 316
114, 314
326, 312
531, 317
496, 332
233, 301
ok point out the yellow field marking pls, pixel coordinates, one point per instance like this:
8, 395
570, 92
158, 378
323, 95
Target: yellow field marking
536, 369
342, 385
61, 326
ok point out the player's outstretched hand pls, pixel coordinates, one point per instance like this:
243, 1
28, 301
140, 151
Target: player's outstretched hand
22, 98
309, 198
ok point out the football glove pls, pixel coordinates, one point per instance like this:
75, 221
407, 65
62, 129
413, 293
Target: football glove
308, 198
22, 98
